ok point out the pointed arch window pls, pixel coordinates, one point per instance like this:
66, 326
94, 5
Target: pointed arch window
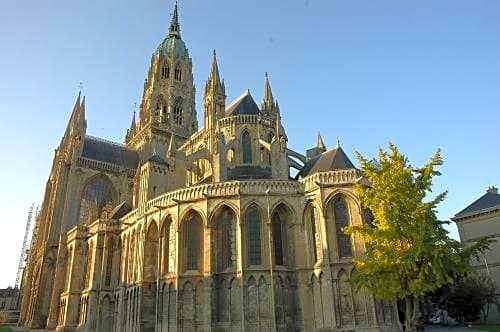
165, 246
342, 219
225, 236
279, 240
253, 221
246, 145
192, 238
95, 196
109, 261
178, 112
88, 266
316, 240
165, 71
69, 259
178, 73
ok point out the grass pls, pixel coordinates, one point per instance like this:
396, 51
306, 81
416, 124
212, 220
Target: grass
5, 328
490, 328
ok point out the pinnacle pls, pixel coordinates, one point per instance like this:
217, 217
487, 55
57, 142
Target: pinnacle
214, 72
174, 29
268, 94
320, 144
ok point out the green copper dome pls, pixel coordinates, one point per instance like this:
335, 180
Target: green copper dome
174, 47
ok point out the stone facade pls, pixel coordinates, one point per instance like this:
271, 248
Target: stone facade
9, 299
187, 229
482, 218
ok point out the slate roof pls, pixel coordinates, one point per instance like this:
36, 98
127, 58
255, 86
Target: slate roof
244, 104
120, 210
334, 159
487, 201
109, 152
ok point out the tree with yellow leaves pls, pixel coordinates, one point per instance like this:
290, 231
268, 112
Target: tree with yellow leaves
408, 251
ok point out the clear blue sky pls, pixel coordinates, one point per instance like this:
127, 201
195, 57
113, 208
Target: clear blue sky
422, 74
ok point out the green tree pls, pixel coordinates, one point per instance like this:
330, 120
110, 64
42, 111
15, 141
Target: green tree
471, 296
408, 252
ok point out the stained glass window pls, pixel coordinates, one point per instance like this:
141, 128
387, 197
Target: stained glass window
246, 144
253, 227
316, 239
342, 219
226, 240
278, 242
96, 194
193, 242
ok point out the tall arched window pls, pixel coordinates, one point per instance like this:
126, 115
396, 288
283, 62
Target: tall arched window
315, 236
253, 222
165, 246
109, 261
246, 147
96, 194
165, 71
150, 267
178, 112
178, 73
225, 239
88, 266
278, 239
69, 261
192, 242
342, 219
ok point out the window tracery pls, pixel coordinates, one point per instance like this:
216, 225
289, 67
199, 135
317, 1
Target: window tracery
253, 220
342, 219
96, 195
246, 145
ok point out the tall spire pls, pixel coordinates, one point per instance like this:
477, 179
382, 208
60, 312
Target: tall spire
175, 29
320, 144
81, 117
133, 125
268, 94
214, 72
268, 104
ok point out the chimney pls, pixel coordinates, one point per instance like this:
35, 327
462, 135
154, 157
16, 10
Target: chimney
492, 190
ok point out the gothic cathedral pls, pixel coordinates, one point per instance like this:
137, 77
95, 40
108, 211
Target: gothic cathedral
184, 228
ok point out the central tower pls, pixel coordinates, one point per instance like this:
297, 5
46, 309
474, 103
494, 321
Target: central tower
167, 108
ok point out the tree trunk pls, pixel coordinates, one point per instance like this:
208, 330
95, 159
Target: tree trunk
410, 314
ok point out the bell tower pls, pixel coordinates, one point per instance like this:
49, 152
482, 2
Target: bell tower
167, 108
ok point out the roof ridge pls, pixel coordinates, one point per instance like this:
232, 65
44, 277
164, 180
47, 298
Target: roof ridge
239, 99
103, 140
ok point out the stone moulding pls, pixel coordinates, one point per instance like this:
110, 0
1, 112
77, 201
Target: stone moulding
251, 187
103, 166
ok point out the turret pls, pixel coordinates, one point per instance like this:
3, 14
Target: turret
269, 106
71, 143
167, 108
215, 97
